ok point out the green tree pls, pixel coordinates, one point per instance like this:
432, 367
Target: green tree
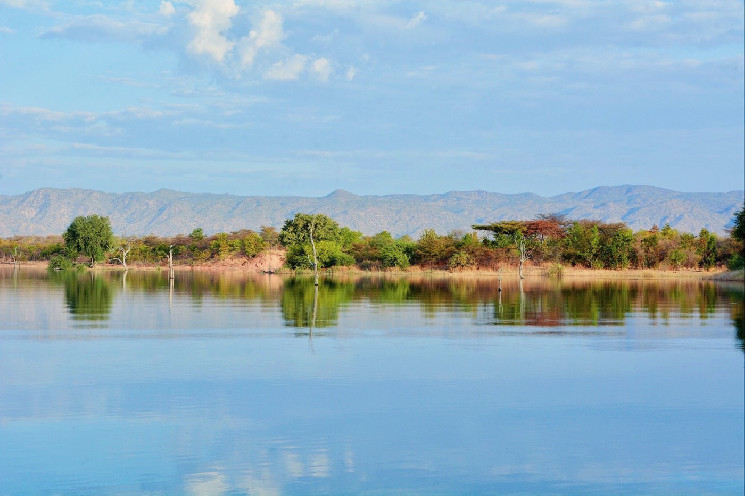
253, 244
738, 234
707, 249
433, 249
514, 233
270, 235
582, 243
90, 236
307, 229
616, 241
738, 231
393, 255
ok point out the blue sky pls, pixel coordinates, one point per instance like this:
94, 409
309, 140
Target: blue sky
302, 97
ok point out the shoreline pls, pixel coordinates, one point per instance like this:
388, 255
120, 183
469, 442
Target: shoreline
243, 266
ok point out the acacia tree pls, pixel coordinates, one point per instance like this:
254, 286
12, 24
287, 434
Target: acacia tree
513, 230
90, 236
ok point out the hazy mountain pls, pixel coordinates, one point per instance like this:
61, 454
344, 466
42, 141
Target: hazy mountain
164, 212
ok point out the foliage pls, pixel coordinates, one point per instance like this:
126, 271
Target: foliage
707, 249
60, 262
253, 244
90, 236
270, 236
552, 241
582, 243
737, 262
298, 231
434, 250
556, 270
460, 260
738, 229
394, 255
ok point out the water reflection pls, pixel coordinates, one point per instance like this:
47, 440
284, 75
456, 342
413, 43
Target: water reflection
306, 305
419, 385
88, 296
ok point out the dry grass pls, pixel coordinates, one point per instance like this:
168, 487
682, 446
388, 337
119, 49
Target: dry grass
273, 261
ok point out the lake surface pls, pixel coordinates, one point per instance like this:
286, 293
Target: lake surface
232, 384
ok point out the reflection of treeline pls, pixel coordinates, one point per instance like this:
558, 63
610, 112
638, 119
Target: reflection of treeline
548, 303
538, 302
550, 240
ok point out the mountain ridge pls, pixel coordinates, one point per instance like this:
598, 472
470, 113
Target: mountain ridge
168, 212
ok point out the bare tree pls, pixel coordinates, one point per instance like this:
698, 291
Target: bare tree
524, 255
14, 258
124, 250
170, 263
315, 254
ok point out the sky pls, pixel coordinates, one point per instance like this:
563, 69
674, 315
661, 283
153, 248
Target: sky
302, 97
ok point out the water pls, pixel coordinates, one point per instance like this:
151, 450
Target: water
231, 384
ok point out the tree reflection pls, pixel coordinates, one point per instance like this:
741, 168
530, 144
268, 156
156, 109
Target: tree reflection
531, 302
302, 306
87, 295
737, 313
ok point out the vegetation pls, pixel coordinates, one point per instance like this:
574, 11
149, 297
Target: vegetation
90, 236
315, 241
737, 261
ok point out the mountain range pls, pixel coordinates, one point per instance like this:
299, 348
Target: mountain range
165, 212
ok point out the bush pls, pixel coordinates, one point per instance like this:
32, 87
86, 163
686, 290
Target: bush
737, 262
460, 260
556, 270
393, 255
59, 262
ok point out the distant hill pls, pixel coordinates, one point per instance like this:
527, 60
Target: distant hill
165, 212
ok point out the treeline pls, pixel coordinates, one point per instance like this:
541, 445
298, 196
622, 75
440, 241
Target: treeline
550, 239
192, 249
317, 240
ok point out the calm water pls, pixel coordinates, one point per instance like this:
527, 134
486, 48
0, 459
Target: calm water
227, 384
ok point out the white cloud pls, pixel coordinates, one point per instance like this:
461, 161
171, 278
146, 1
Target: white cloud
18, 4
102, 28
419, 18
289, 69
322, 68
210, 19
351, 73
268, 34
5, 30
166, 9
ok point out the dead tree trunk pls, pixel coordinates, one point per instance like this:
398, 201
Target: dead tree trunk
14, 258
170, 263
523, 256
124, 250
315, 254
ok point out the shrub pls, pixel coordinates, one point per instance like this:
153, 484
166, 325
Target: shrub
392, 255
737, 262
556, 270
59, 262
460, 260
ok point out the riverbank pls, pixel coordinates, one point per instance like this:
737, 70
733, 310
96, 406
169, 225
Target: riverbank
272, 262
